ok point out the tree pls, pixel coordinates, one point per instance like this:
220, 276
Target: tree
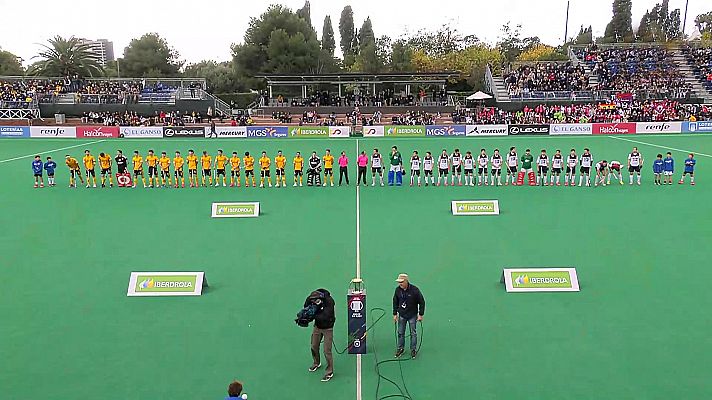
470, 63
305, 12
150, 56
328, 43
401, 55
542, 52
443, 41
620, 29
67, 57
704, 22
511, 44
365, 35
659, 24
10, 64
218, 76
585, 35
347, 33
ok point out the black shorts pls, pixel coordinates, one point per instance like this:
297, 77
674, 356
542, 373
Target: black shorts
428, 172
328, 171
496, 171
482, 170
249, 172
138, 172
602, 170
152, 171
456, 169
415, 172
50, 175
543, 170
192, 172
298, 172
556, 171
470, 171
221, 172
178, 172
279, 171
235, 172
378, 170
691, 173
207, 172
38, 175
120, 170
106, 171
165, 173
570, 170
264, 173
75, 173
512, 170
90, 172
442, 172
632, 169
585, 170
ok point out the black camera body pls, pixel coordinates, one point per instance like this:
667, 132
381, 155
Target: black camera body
313, 306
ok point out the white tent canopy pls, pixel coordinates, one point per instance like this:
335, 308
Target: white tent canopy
479, 96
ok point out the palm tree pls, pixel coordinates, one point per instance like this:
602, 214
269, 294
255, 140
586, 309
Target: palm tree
67, 57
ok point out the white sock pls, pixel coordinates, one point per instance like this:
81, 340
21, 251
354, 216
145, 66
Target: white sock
639, 179
580, 180
631, 179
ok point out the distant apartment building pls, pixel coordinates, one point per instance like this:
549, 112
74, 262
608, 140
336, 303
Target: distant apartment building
103, 48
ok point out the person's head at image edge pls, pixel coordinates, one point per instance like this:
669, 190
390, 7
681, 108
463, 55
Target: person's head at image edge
234, 391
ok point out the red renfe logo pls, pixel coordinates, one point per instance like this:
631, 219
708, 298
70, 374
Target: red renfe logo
623, 128
92, 132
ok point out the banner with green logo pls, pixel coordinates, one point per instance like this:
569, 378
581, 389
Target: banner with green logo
475, 207
235, 210
166, 284
309, 132
540, 279
405, 130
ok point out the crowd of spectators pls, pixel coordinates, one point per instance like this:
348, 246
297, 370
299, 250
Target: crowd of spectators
414, 118
546, 77
383, 98
701, 59
608, 112
650, 70
160, 118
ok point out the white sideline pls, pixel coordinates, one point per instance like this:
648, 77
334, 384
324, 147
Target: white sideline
358, 271
52, 151
661, 147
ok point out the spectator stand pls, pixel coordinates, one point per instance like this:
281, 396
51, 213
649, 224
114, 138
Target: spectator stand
699, 60
547, 81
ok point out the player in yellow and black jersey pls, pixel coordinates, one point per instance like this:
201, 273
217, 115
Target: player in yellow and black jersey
105, 163
206, 162
137, 161
280, 161
152, 161
89, 164
165, 163
264, 170
249, 169
298, 168
74, 171
192, 160
178, 169
220, 163
328, 167
234, 169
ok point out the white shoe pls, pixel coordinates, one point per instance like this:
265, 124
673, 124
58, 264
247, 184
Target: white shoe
270, 185
295, 185
373, 184
332, 184
300, 184
95, 185
261, 185
324, 184
382, 185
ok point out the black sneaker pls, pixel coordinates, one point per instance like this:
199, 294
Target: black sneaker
399, 352
327, 377
314, 367
413, 353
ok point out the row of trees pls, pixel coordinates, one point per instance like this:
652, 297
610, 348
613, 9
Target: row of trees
283, 41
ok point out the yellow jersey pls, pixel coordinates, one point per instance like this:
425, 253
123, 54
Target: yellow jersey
178, 163
72, 163
298, 163
192, 161
328, 161
152, 160
280, 161
249, 163
105, 161
138, 163
89, 161
206, 161
220, 161
264, 163
165, 163
235, 163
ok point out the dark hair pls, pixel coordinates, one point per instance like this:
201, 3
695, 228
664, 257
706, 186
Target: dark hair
511, 148
586, 149
247, 153
660, 155
528, 150
38, 156
100, 154
669, 153
234, 389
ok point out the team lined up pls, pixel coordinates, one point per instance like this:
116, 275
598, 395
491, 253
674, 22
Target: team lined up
166, 172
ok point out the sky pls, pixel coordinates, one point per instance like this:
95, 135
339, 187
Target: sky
207, 31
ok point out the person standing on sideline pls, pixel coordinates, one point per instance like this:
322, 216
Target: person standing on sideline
396, 169
37, 167
213, 132
343, 168
323, 328
362, 162
408, 307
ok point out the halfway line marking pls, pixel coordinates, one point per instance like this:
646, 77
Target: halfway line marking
659, 146
358, 272
50, 151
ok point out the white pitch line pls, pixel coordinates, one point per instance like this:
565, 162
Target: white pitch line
358, 273
51, 151
659, 146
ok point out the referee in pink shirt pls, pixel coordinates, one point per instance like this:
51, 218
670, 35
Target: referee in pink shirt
343, 168
362, 162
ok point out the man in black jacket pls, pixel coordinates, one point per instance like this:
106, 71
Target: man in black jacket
323, 328
408, 307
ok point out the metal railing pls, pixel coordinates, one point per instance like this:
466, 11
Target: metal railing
596, 95
18, 113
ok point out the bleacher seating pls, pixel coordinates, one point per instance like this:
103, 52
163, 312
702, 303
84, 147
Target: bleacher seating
701, 60
540, 80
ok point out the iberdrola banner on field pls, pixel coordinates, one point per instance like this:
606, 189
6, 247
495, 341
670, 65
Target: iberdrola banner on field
405, 130
235, 210
166, 284
540, 279
475, 207
309, 132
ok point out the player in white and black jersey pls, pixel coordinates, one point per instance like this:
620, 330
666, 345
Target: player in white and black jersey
635, 163
586, 164
414, 168
542, 167
469, 164
571, 163
456, 162
443, 166
557, 163
496, 168
482, 161
512, 164
428, 165
376, 167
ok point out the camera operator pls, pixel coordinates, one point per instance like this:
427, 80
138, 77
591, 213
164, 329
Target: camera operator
323, 328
